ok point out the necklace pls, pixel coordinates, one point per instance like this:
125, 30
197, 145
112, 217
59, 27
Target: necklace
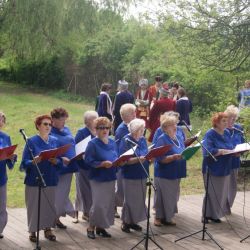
178, 145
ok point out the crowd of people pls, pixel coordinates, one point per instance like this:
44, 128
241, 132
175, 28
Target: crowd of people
102, 186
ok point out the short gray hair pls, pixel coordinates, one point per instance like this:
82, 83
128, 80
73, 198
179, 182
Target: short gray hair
135, 125
232, 110
91, 114
143, 82
127, 110
123, 84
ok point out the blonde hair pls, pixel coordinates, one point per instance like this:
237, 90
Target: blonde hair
127, 110
168, 121
170, 113
232, 110
135, 125
89, 115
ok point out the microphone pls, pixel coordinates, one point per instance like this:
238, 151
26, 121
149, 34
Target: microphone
21, 130
131, 142
242, 132
185, 124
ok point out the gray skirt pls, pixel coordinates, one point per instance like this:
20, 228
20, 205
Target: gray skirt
102, 211
63, 204
83, 200
134, 209
47, 207
119, 193
166, 198
217, 203
232, 186
3, 211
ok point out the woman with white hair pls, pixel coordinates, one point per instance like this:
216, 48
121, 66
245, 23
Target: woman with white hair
134, 177
236, 132
83, 191
142, 101
122, 97
128, 113
169, 169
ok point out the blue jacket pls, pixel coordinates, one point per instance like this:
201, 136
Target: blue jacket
134, 171
81, 135
64, 137
237, 138
120, 132
175, 169
5, 142
213, 142
96, 152
48, 171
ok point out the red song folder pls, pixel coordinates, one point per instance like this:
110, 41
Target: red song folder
6, 152
55, 152
156, 152
121, 159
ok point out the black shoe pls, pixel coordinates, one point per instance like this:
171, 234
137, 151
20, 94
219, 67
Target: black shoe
125, 227
103, 233
215, 220
1, 236
60, 225
91, 234
135, 227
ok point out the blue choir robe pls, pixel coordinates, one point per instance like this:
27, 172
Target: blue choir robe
5, 142
175, 169
213, 141
48, 171
81, 135
237, 138
104, 105
97, 152
134, 171
120, 132
64, 137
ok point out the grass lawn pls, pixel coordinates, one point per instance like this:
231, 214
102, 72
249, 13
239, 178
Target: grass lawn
21, 105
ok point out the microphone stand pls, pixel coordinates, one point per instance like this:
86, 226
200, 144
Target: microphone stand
149, 184
41, 183
204, 228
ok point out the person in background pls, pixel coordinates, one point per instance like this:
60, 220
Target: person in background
128, 113
169, 169
63, 134
134, 177
244, 96
160, 106
100, 154
142, 101
175, 88
5, 141
154, 89
122, 97
83, 191
218, 142
237, 137
104, 107
40, 142
183, 107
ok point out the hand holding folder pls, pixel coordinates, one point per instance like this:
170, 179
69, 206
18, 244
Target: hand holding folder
157, 152
53, 153
192, 139
7, 152
124, 157
240, 148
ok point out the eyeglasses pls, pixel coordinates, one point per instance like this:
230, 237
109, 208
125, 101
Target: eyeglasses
102, 128
46, 124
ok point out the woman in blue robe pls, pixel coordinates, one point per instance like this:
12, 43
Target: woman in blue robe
83, 200
169, 169
63, 134
237, 137
128, 113
100, 154
218, 142
4, 142
134, 177
48, 168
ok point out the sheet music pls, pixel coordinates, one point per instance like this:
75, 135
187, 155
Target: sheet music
130, 151
81, 146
